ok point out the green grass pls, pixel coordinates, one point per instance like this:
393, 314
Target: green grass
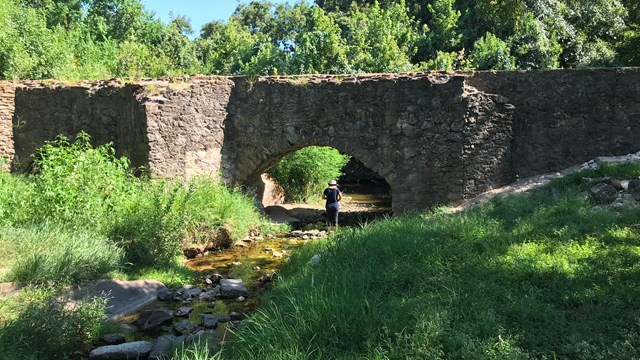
47, 254
82, 215
524, 277
35, 325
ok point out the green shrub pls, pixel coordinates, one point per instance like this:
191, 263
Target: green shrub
491, 53
36, 325
305, 173
77, 184
87, 189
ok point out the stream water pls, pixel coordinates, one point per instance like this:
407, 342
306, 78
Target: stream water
253, 261
256, 260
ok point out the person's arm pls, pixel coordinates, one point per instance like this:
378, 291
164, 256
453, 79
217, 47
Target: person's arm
339, 195
324, 194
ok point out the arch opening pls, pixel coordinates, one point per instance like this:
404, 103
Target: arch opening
366, 193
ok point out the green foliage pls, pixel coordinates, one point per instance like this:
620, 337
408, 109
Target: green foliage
76, 183
528, 276
443, 26
491, 53
305, 173
47, 254
39, 326
82, 188
379, 40
85, 39
533, 46
319, 49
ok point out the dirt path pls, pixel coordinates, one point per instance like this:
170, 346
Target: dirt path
540, 180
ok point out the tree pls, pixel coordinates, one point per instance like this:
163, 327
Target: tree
319, 49
120, 20
533, 46
379, 40
226, 48
443, 26
491, 53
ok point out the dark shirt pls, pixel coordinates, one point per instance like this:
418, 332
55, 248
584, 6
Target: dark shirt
332, 197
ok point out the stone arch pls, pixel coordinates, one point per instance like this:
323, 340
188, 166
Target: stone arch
251, 177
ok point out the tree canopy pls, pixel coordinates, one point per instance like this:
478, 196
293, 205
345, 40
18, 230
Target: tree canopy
89, 39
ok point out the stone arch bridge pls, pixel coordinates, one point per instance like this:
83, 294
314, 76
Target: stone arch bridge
435, 137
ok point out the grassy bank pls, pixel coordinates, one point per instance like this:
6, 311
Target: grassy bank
81, 215
542, 275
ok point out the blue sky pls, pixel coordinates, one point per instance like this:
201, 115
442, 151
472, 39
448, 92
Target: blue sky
200, 11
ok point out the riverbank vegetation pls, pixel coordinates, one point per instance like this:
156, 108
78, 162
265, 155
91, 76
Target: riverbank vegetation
544, 274
305, 173
81, 214
93, 39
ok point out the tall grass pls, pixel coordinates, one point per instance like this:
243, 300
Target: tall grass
80, 215
90, 207
48, 254
527, 277
36, 325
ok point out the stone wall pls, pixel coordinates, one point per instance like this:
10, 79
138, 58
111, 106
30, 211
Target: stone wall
7, 94
185, 125
108, 111
565, 117
434, 137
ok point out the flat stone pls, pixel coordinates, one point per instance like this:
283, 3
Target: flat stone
183, 311
132, 350
232, 288
123, 297
150, 319
184, 327
113, 339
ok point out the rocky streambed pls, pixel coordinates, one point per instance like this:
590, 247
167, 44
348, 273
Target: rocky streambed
230, 284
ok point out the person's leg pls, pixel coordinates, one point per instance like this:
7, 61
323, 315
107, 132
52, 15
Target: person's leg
332, 215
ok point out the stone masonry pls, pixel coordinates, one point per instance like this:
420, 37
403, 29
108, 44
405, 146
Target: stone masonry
434, 137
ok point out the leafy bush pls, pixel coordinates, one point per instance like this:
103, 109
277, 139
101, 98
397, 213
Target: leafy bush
41, 327
490, 52
89, 189
304, 173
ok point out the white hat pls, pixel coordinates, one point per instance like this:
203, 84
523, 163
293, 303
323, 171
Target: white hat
333, 182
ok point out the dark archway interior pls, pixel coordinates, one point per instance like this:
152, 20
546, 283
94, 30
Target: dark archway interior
365, 189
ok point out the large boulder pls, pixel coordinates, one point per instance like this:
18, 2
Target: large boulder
161, 349
633, 188
232, 288
603, 193
126, 351
184, 327
151, 319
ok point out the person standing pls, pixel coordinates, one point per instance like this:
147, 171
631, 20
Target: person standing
333, 196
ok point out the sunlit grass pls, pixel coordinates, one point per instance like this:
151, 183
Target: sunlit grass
529, 276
